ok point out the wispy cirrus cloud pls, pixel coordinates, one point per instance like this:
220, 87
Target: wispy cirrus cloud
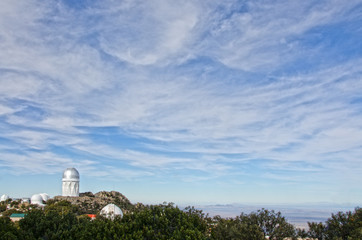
209, 91
260, 36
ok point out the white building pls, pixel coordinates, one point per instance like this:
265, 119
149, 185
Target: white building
111, 211
70, 186
45, 196
4, 198
25, 200
37, 199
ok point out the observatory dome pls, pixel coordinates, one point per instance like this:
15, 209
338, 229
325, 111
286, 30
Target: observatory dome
111, 211
37, 199
44, 196
71, 174
4, 198
70, 183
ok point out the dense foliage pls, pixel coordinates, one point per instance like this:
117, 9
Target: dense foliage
62, 220
256, 225
340, 226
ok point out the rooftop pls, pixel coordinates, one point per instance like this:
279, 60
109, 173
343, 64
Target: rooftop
19, 215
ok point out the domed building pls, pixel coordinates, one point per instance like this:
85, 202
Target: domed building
44, 196
4, 197
37, 200
70, 186
111, 211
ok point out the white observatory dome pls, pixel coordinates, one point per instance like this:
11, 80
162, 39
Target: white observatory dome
4, 198
44, 196
37, 199
71, 174
70, 185
111, 211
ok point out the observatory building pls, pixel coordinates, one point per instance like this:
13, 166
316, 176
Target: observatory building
70, 186
111, 211
4, 198
44, 196
37, 199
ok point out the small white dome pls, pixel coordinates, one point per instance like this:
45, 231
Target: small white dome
44, 196
111, 211
70, 174
37, 199
4, 198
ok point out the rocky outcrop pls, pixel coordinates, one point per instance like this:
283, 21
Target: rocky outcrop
92, 203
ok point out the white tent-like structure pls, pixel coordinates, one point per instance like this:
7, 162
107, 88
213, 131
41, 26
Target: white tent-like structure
4, 197
111, 211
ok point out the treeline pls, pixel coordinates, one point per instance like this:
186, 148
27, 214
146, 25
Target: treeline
258, 225
61, 220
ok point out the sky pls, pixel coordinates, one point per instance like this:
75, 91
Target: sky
183, 101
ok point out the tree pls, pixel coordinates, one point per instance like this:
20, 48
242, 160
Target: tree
61, 207
338, 226
230, 229
2, 208
316, 230
166, 222
256, 225
271, 223
7, 229
40, 225
356, 224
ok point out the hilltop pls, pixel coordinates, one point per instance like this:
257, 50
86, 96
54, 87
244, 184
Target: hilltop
92, 203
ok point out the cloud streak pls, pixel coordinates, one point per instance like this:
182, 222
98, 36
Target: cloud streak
208, 91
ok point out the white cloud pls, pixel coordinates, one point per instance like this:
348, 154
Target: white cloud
265, 36
148, 32
33, 162
5, 110
179, 79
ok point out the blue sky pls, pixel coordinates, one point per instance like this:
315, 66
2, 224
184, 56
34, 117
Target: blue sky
183, 101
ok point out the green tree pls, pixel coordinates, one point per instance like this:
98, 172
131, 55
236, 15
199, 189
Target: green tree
256, 225
356, 224
8, 230
40, 225
165, 222
316, 230
230, 229
2, 208
271, 223
301, 233
338, 226
61, 207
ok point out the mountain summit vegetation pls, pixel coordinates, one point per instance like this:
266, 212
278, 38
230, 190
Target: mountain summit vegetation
66, 218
